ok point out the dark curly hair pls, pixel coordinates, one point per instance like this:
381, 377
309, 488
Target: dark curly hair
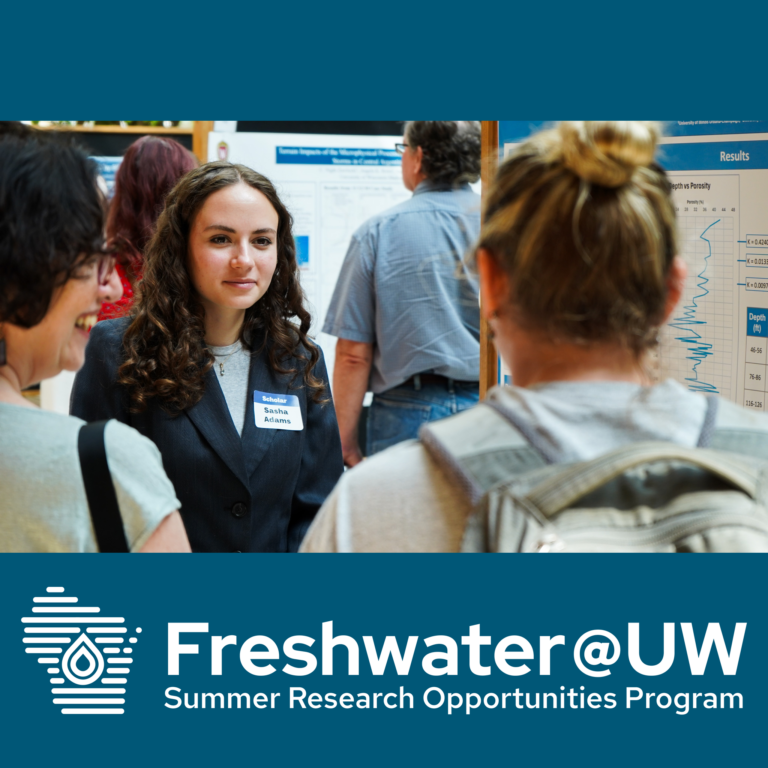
51, 219
166, 355
451, 149
15, 128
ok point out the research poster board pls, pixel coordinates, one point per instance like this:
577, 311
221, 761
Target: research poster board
331, 185
717, 340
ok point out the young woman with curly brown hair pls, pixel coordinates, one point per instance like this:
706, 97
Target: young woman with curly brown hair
216, 367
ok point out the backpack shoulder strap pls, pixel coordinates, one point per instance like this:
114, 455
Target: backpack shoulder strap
99, 489
480, 447
738, 430
575, 481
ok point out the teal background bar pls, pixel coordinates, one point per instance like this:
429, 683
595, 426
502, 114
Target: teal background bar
280, 596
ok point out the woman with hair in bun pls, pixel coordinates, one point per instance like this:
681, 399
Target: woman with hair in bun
578, 271
149, 170
216, 367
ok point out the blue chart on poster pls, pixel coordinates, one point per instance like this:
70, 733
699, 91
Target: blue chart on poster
108, 170
302, 250
719, 176
406, 660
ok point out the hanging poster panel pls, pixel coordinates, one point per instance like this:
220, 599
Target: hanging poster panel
715, 341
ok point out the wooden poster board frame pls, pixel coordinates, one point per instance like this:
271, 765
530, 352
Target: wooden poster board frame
200, 131
489, 158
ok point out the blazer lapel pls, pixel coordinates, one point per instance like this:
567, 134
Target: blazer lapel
256, 441
212, 418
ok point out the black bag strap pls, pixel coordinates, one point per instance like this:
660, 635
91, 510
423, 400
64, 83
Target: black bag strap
99, 489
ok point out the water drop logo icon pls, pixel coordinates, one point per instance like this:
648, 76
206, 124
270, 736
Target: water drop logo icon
89, 656
82, 652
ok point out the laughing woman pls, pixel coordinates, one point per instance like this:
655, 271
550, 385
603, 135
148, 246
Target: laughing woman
54, 275
215, 366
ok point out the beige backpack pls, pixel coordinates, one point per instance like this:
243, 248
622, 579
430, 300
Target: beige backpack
642, 497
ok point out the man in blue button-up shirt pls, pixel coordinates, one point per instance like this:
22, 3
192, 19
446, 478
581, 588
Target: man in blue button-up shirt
405, 308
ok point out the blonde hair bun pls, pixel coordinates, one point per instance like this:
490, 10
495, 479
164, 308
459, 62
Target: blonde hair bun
607, 152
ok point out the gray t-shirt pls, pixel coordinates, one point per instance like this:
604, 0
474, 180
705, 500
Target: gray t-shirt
233, 364
403, 287
43, 507
401, 501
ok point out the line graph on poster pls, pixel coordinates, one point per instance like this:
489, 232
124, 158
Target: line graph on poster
698, 344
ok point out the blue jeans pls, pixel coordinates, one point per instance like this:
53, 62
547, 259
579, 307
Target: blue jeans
397, 414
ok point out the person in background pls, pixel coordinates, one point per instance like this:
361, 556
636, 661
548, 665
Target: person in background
405, 311
54, 274
149, 170
578, 271
215, 366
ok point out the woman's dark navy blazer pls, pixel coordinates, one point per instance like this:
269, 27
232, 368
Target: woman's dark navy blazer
258, 493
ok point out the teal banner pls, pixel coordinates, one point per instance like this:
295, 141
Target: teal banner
383, 660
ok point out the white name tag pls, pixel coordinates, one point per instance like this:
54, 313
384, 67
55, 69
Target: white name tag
277, 411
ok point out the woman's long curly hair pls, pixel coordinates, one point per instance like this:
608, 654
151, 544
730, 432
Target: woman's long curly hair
166, 354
